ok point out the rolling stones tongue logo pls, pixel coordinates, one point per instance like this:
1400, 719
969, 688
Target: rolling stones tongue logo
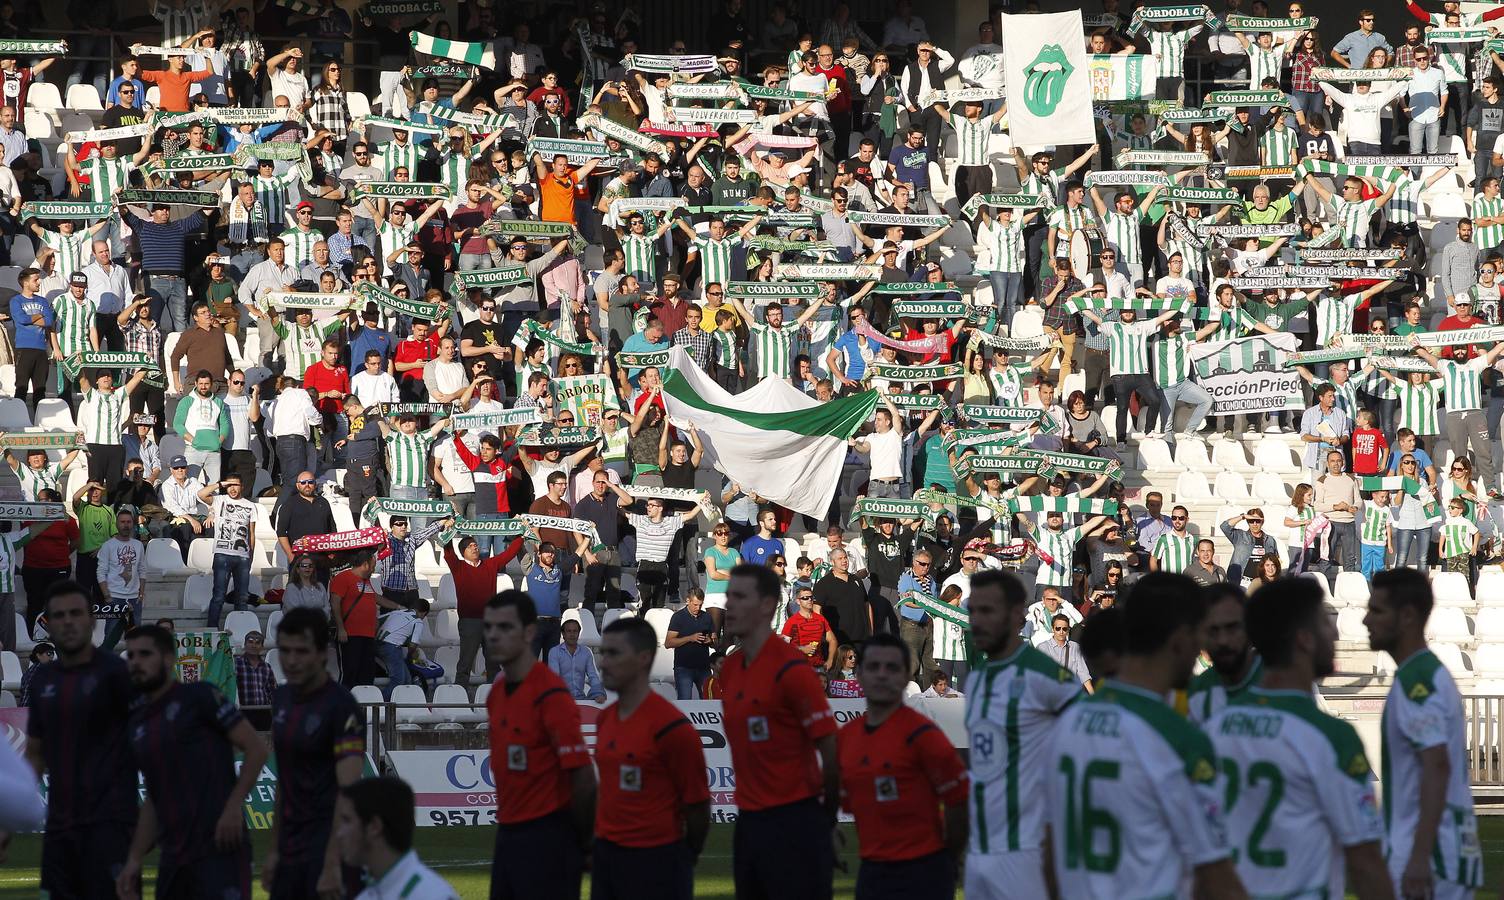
1045, 79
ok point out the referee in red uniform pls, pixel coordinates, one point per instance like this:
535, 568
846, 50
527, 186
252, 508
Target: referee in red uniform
654, 809
545, 785
897, 768
777, 720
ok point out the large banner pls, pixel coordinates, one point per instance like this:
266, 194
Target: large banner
1247, 375
1047, 73
455, 787
1116, 76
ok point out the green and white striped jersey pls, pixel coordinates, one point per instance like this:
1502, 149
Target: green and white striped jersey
1451, 58
1231, 323
106, 176
101, 416
33, 480
949, 641
1334, 316
1418, 407
454, 170
1346, 397
1297, 790
1487, 236
1128, 346
300, 245
393, 156
10, 560
723, 348
1376, 523
272, 194
1208, 693
1353, 218
1169, 48
971, 139
1047, 187
73, 250
1006, 243
1007, 382
1122, 232
715, 258
393, 236
1262, 64
1065, 221
1461, 383
407, 458
1173, 551
1456, 536
1424, 710
772, 348
73, 319
1059, 545
1172, 359
1012, 705
642, 257
1278, 147
1133, 797
302, 347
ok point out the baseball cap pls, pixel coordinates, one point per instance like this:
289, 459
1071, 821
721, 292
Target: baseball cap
179, 462
797, 170
78, 278
304, 205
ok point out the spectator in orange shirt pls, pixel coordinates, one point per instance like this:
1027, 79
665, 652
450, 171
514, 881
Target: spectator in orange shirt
172, 84
355, 600
558, 187
810, 632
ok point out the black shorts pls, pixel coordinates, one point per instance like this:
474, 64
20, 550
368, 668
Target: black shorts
930, 877
298, 879
629, 873
763, 866
84, 862
218, 876
537, 860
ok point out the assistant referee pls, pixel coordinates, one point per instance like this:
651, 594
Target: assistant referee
777, 719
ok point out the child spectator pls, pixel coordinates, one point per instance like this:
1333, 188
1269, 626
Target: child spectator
1377, 536
401, 631
1458, 540
1370, 450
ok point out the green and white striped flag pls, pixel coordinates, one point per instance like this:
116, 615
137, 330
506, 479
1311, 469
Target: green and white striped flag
476, 53
1066, 504
1142, 306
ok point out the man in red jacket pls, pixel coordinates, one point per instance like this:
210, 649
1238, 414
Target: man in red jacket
839, 106
474, 584
331, 383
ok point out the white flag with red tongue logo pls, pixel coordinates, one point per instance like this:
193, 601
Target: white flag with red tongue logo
1048, 75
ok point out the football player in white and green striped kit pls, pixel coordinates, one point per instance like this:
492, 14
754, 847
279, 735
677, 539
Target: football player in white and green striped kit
407, 455
1433, 848
1298, 791
1235, 666
1012, 700
771, 341
714, 252
1133, 804
1174, 549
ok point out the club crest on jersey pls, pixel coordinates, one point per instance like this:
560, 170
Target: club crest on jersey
516, 758
1203, 771
1358, 765
1418, 692
630, 778
886, 788
757, 729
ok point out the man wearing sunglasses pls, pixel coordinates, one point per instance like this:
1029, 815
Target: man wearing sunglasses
1248, 547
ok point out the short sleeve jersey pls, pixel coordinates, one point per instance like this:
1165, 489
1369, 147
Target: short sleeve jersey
79, 713
1297, 789
1207, 693
181, 744
894, 776
312, 735
355, 600
1012, 705
1132, 797
774, 711
1424, 710
651, 766
535, 744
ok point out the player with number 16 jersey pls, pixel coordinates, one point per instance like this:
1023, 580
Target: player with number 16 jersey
1012, 704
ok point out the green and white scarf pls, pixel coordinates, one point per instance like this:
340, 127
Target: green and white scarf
882, 508
475, 53
1067, 504
494, 421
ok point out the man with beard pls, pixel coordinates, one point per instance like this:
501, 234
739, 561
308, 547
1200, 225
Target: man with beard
184, 738
318, 732
76, 736
1235, 666
1300, 787
1428, 803
1012, 702
1464, 421
1124, 764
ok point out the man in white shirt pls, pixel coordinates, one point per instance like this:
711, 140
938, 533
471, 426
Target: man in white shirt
242, 407
373, 384
271, 274
1037, 623
982, 64
110, 291
179, 494
1426, 102
884, 449
290, 415
119, 574
233, 518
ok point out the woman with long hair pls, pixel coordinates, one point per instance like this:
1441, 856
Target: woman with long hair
1087, 434
720, 559
1412, 524
1267, 572
307, 586
329, 110
1297, 519
974, 386
1305, 94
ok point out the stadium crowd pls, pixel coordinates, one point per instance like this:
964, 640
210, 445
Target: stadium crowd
457, 372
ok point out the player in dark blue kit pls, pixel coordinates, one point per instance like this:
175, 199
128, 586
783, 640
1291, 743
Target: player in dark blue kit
184, 738
76, 735
319, 734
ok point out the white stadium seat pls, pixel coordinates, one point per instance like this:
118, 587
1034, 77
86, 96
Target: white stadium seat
1230, 455
44, 96
1155, 454
1192, 455
413, 712
1488, 625
453, 693
10, 671
1451, 656
1451, 589
239, 623
1274, 457
164, 558
589, 636
84, 98
1488, 661
1269, 488
1192, 487
1450, 625
1352, 589
1350, 626
1232, 488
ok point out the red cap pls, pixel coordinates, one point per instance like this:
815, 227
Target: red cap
305, 203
